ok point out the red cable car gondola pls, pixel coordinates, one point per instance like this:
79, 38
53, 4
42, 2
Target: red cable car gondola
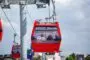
1, 30
16, 51
46, 37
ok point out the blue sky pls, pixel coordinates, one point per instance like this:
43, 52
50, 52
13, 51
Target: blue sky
74, 18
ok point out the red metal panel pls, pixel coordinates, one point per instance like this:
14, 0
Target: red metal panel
1, 30
40, 47
16, 56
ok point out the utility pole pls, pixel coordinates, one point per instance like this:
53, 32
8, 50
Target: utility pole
54, 12
22, 5
43, 56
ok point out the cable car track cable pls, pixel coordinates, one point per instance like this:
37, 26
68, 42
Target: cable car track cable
29, 14
9, 21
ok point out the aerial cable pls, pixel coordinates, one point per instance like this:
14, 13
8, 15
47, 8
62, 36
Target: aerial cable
29, 14
15, 33
49, 13
54, 12
9, 21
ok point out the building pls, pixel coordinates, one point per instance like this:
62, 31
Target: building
80, 57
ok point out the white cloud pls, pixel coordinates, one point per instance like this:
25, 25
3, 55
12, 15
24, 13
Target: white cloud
80, 15
64, 2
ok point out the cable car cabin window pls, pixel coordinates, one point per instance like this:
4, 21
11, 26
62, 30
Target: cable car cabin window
46, 35
0, 30
16, 49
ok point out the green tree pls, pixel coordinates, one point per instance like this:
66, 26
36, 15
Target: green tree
71, 57
37, 58
67, 58
87, 57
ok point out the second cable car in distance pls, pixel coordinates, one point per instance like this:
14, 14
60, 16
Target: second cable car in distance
46, 37
15, 53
